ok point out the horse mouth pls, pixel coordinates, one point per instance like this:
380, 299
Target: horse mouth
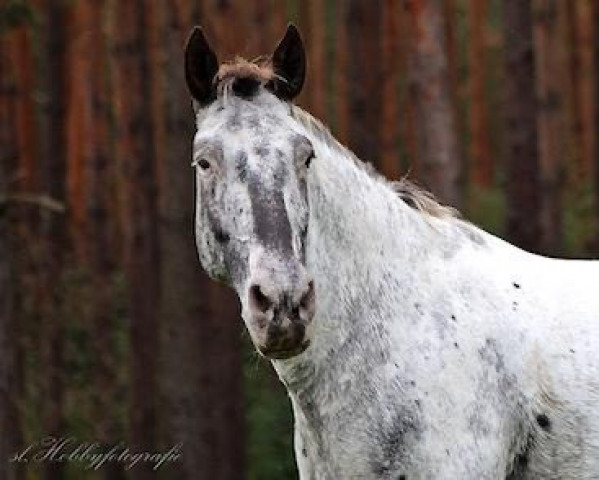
284, 354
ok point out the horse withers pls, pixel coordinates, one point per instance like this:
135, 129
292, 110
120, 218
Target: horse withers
412, 344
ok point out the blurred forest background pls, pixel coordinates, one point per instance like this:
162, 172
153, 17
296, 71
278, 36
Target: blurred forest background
109, 330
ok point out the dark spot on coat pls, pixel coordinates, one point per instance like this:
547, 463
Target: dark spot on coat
262, 150
453, 318
516, 285
491, 355
543, 421
520, 463
241, 164
392, 439
455, 344
402, 477
304, 452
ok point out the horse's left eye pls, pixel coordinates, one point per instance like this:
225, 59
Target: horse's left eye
310, 158
203, 164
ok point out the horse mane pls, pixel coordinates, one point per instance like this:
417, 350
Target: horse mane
413, 195
243, 78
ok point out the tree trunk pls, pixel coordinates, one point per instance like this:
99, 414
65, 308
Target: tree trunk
523, 197
10, 439
390, 107
437, 145
341, 88
408, 131
313, 97
90, 191
54, 228
596, 113
364, 77
480, 154
202, 376
549, 124
136, 156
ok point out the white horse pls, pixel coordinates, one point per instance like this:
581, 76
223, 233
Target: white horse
412, 344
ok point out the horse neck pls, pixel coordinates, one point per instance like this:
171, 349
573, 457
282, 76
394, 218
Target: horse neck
359, 233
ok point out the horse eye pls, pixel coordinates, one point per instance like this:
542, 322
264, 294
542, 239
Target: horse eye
203, 164
310, 158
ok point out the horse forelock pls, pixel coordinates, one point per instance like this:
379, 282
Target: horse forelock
243, 77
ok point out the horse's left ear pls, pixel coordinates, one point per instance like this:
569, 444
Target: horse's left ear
289, 65
201, 66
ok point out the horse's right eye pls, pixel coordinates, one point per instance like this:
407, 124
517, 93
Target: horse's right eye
203, 164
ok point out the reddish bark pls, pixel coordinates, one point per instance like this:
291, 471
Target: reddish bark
201, 351
341, 66
364, 77
135, 152
549, 122
9, 365
390, 107
480, 154
521, 135
436, 138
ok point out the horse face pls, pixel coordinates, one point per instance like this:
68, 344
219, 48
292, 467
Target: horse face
252, 211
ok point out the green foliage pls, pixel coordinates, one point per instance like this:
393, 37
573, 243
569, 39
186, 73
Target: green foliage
15, 13
580, 227
269, 422
487, 209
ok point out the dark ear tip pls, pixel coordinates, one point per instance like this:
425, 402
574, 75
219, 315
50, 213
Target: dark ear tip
292, 30
197, 33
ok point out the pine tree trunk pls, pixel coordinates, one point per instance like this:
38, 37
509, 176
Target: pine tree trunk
550, 125
364, 77
135, 153
89, 176
341, 87
54, 228
202, 372
480, 154
313, 98
9, 382
596, 113
435, 126
390, 108
521, 136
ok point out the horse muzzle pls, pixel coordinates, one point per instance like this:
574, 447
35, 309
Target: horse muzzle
280, 318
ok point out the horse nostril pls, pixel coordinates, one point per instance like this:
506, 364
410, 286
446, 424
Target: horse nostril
259, 299
307, 300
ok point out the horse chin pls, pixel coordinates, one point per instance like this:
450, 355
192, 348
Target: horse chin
280, 354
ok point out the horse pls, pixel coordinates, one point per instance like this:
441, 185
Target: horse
412, 344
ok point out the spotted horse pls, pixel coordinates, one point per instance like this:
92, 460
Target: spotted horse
413, 345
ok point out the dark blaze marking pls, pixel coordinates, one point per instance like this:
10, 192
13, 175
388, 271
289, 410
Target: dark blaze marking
543, 421
271, 223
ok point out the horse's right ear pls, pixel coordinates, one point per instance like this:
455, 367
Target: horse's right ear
201, 66
289, 65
